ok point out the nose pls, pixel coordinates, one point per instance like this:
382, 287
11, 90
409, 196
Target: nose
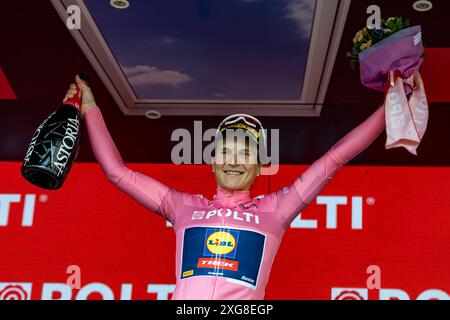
232, 160
235, 158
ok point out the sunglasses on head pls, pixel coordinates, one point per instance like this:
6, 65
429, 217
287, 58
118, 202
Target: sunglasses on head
248, 120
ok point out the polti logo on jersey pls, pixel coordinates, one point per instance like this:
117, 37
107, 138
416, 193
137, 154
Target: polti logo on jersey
231, 253
222, 212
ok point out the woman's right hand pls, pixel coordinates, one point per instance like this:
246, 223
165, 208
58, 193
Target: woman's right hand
87, 98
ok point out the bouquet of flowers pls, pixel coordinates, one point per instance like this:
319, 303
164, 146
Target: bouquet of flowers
389, 59
367, 37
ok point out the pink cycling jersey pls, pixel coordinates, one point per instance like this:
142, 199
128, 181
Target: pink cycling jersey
225, 247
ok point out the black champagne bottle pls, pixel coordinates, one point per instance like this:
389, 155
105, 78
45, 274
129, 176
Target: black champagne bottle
54, 146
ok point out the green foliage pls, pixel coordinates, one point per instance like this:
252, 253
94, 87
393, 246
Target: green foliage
367, 37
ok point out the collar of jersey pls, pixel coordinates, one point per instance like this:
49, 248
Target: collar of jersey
234, 196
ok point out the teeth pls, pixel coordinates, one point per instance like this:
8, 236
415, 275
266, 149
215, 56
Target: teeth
233, 172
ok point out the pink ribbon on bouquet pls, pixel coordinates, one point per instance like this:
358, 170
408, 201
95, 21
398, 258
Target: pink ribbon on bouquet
406, 119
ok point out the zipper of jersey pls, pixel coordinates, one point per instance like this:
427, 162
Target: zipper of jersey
222, 227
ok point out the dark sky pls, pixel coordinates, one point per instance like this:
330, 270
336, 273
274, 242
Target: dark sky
210, 49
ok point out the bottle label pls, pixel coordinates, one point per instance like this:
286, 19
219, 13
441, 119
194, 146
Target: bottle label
67, 145
34, 139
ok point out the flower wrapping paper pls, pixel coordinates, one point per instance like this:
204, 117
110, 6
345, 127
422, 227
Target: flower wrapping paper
392, 66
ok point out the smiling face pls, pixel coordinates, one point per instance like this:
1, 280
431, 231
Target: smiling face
236, 164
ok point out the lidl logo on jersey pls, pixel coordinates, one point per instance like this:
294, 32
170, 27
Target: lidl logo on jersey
222, 252
223, 243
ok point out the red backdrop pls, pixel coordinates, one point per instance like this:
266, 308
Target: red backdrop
396, 218
6, 92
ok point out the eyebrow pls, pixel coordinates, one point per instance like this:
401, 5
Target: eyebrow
248, 147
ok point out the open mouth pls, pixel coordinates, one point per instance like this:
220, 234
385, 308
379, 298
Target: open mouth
233, 172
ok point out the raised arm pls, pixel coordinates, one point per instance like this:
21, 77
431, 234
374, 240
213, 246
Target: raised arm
149, 192
146, 190
292, 200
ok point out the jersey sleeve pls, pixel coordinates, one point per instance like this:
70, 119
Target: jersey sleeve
292, 200
149, 192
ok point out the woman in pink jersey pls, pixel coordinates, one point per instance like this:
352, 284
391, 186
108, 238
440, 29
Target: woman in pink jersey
225, 246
